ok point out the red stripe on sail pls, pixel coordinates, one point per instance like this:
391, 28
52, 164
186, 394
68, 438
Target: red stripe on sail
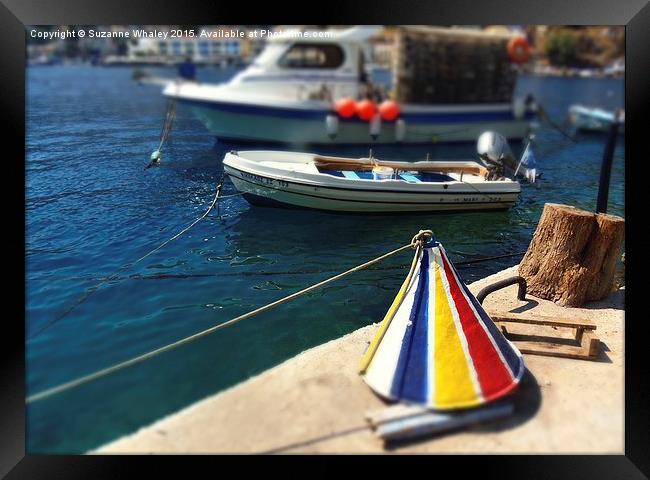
493, 375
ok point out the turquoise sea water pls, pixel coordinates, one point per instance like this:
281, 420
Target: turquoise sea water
91, 207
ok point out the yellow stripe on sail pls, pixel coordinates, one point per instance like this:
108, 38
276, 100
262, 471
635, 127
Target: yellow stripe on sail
453, 386
372, 348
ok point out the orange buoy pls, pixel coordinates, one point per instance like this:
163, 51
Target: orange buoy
366, 109
518, 49
389, 110
345, 107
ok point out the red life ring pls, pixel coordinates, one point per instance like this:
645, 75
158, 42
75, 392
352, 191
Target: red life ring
518, 49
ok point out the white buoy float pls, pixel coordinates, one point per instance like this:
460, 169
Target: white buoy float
154, 159
518, 108
400, 129
375, 126
332, 126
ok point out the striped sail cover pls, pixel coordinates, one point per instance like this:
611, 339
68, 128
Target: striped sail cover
440, 348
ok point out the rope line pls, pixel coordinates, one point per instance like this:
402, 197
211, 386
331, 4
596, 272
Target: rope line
544, 116
124, 267
168, 123
165, 276
485, 259
416, 242
169, 118
166, 129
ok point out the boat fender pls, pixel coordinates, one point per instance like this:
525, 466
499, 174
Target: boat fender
389, 110
518, 49
332, 126
366, 109
400, 130
518, 108
375, 126
346, 107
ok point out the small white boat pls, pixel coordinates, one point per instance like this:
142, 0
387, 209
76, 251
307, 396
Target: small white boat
308, 180
593, 119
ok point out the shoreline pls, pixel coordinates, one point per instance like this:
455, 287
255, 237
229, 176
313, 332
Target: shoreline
315, 402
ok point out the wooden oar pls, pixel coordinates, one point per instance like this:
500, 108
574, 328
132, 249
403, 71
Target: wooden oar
367, 164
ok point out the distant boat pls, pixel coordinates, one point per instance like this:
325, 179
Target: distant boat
43, 60
145, 78
616, 68
591, 119
307, 180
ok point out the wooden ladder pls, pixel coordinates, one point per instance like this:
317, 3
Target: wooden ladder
587, 347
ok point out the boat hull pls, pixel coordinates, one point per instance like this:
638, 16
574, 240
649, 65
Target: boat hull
268, 191
257, 123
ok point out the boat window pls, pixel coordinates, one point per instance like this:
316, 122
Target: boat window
312, 55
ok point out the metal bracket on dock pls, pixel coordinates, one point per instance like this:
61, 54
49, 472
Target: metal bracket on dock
521, 294
586, 345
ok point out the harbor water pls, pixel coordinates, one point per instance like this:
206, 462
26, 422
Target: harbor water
91, 207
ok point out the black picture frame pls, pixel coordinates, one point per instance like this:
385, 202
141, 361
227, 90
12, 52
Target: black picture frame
16, 14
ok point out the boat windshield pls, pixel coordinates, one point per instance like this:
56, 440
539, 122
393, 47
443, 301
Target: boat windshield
313, 55
267, 55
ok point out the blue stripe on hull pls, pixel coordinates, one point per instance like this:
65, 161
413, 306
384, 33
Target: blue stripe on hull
319, 114
260, 201
237, 141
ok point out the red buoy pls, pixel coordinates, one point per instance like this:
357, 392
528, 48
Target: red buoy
389, 110
366, 109
518, 49
345, 107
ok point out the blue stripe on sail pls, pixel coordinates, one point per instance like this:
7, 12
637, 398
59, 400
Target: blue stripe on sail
514, 362
411, 374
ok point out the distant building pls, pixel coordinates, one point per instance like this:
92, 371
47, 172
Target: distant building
200, 50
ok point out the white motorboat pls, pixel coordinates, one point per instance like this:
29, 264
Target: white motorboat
590, 119
308, 180
288, 95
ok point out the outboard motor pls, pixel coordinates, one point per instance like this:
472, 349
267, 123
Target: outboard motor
494, 151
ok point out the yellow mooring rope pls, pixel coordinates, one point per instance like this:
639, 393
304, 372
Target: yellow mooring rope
417, 242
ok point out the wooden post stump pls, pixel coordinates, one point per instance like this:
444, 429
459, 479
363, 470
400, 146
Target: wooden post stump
572, 257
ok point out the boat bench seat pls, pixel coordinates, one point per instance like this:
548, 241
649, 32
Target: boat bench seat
409, 177
350, 175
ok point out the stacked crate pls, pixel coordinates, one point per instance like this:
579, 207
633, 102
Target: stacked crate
438, 65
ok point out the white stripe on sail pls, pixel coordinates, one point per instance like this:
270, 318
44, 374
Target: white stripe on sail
382, 369
431, 331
